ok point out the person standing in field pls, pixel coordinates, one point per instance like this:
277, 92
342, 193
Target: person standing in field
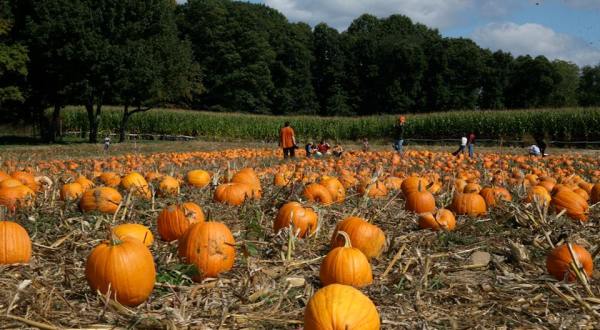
106, 143
287, 141
463, 145
471, 144
541, 144
365, 145
399, 143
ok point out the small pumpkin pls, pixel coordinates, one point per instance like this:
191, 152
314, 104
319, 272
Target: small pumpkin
411, 184
364, 236
232, 193
346, 265
210, 246
102, 199
340, 307
304, 220
125, 267
85, 183
559, 261
468, 204
373, 190
492, 195
15, 244
335, 188
168, 186
539, 194
71, 191
134, 231
172, 222
26, 179
110, 179
393, 183
576, 207
16, 197
249, 177
443, 219
420, 201
315, 192
197, 178
137, 183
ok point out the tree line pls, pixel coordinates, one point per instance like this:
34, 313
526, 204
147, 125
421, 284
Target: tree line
223, 55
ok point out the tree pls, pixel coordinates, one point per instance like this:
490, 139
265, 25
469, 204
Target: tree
564, 93
494, 80
154, 66
328, 72
13, 66
464, 75
532, 81
589, 86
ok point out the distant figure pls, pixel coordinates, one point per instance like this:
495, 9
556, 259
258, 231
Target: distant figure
541, 144
471, 144
534, 150
310, 149
337, 150
106, 143
287, 141
323, 147
365, 147
463, 145
399, 143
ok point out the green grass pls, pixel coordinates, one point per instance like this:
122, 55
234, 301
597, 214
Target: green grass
569, 124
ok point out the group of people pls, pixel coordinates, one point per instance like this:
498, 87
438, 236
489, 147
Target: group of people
287, 141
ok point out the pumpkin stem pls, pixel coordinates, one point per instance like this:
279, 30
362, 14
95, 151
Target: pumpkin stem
347, 242
419, 186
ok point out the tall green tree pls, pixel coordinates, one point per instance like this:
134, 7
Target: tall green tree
154, 66
464, 75
328, 72
495, 79
532, 81
589, 86
564, 93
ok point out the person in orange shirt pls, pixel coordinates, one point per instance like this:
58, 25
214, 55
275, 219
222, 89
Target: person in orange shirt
287, 141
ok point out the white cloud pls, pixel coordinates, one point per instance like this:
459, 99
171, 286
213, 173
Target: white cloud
536, 39
340, 13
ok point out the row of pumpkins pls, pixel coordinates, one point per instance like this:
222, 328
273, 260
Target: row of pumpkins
211, 246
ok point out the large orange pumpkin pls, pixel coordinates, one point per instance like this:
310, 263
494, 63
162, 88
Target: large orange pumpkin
71, 191
340, 307
539, 194
249, 177
137, 183
168, 186
492, 195
110, 179
16, 197
210, 246
559, 261
125, 267
364, 236
420, 201
27, 179
303, 220
15, 244
346, 265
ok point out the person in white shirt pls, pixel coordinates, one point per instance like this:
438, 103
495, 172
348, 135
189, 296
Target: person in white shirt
463, 145
106, 143
534, 150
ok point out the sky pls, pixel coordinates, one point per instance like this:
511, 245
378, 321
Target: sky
558, 29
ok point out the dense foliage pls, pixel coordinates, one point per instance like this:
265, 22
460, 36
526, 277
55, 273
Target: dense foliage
557, 125
223, 55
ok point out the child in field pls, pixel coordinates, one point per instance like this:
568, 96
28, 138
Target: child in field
310, 149
534, 150
323, 147
337, 151
463, 145
365, 147
106, 143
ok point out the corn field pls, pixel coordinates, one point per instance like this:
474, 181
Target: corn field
569, 124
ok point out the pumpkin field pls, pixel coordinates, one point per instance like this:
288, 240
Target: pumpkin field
240, 239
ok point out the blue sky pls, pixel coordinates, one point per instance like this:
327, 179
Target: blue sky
558, 29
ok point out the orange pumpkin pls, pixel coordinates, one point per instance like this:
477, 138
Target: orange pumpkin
303, 220
11, 183
364, 236
346, 265
16, 197
137, 183
595, 193
393, 183
85, 183
110, 179
315, 192
560, 259
197, 178
494, 194
373, 190
134, 231
172, 222
249, 177
26, 179
441, 220
168, 186
126, 268
15, 244
71, 191
411, 184
102, 199
232, 193
539, 194
335, 188
576, 207
468, 204
340, 307
420, 201
210, 246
